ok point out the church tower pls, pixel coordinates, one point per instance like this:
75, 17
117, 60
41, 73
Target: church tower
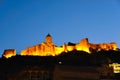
49, 39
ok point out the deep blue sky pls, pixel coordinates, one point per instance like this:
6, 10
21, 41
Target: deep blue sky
25, 23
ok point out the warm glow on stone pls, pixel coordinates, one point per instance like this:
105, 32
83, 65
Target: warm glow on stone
70, 48
83, 45
48, 48
9, 53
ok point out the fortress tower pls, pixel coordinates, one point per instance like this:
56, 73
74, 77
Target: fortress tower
48, 47
49, 39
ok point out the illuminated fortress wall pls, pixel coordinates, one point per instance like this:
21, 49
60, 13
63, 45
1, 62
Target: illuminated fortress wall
44, 49
9, 52
83, 45
48, 48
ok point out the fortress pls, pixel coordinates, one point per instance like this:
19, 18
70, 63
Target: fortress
48, 48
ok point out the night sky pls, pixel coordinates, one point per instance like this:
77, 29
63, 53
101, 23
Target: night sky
25, 23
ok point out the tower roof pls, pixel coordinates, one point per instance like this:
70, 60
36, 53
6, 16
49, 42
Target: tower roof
48, 35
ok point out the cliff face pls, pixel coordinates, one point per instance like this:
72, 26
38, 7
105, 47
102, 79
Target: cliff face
49, 49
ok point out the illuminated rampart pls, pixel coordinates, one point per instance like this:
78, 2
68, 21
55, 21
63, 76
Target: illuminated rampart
48, 48
9, 53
